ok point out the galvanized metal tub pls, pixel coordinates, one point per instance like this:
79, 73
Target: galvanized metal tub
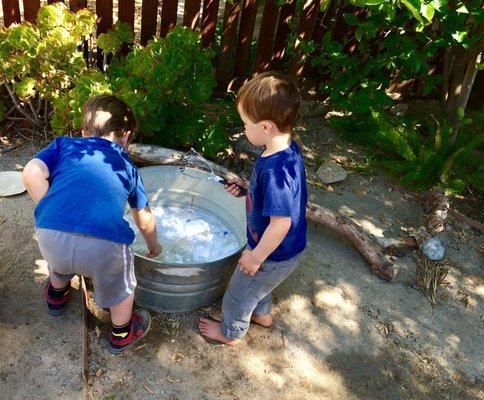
185, 287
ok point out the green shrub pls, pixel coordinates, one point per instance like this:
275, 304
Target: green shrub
418, 149
38, 63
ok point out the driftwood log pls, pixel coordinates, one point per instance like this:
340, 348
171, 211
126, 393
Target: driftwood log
366, 244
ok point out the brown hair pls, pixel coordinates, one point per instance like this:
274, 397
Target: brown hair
105, 114
272, 96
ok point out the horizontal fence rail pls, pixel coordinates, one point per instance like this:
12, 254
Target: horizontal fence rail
250, 36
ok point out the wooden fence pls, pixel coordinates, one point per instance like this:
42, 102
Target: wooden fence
234, 61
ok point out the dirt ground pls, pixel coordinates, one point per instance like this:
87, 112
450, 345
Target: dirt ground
340, 332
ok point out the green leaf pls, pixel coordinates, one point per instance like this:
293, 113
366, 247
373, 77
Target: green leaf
460, 112
439, 4
427, 10
374, 2
25, 89
459, 36
351, 19
414, 7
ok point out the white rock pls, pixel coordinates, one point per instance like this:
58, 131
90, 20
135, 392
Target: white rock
329, 172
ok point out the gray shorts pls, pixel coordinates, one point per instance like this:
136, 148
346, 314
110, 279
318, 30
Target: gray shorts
110, 265
247, 295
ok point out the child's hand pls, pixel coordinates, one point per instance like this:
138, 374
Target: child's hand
236, 188
154, 251
248, 264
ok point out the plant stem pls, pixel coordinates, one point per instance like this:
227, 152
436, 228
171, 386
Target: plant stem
19, 107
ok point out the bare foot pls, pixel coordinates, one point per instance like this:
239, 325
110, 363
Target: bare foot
211, 329
262, 320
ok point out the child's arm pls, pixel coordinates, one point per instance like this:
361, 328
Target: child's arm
35, 177
146, 223
274, 234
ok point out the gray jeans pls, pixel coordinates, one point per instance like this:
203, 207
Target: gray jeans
252, 294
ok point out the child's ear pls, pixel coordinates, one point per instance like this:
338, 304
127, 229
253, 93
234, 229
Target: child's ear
267, 126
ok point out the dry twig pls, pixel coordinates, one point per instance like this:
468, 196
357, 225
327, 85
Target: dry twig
431, 275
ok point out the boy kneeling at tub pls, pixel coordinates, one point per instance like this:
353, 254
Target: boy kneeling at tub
81, 186
276, 207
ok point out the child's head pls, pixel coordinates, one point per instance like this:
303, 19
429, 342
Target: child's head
104, 116
270, 96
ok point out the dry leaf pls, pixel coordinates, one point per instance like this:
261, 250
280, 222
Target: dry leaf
480, 248
150, 391
383, 219
99, 372
176, 357
173, 380
98, 331
361, 191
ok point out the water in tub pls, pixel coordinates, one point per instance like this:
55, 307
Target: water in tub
188, 235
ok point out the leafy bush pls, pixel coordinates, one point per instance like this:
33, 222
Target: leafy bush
418, 149
395, 41
38, 63
165, 83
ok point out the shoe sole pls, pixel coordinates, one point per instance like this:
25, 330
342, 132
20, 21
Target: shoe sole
116, 351
55, 313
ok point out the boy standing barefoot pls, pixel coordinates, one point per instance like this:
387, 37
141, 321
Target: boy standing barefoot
276, 207
81, 186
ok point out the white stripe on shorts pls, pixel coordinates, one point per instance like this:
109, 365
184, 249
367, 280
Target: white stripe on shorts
132, 275
125, 272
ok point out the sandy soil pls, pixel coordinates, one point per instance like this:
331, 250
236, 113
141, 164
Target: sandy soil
340, 332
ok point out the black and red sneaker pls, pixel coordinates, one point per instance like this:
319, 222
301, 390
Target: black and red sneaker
56, 299
140, 325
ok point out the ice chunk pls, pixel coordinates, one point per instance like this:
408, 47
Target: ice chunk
188, 234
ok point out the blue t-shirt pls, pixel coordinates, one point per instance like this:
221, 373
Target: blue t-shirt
278, 188
90, 181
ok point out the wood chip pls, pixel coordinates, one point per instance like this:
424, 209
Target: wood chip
98, 331
150, 391
99, 372
176, 357
384, 219
171, 379
361, 191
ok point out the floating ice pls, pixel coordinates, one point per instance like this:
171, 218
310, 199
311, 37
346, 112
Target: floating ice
188, 235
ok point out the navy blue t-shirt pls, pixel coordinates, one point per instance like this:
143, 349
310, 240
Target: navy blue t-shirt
90, 181
278, 188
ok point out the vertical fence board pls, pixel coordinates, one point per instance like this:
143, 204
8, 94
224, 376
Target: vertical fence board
76, 5
168, 16
340, 27
11, 12
126, 12
191, 16
227, 44
149, 13
304, 32
209, 22
323, 23
104, 11
280, 44
266, 36
246, 32
31, 7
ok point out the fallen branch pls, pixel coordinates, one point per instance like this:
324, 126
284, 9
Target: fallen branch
364, 243
146, 154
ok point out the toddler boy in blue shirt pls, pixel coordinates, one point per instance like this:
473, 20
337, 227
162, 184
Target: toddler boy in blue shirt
81, 186
276, 207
